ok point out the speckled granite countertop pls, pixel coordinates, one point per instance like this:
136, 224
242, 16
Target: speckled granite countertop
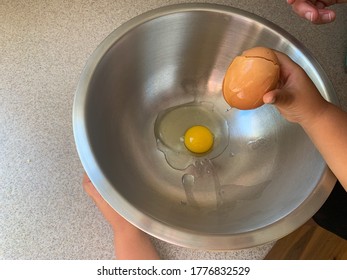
44, 45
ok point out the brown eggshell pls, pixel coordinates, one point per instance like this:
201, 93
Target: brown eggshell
249, 77
262, 53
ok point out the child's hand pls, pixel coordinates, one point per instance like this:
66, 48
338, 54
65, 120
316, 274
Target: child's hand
297, 98
130, 243
315, 11
115, 220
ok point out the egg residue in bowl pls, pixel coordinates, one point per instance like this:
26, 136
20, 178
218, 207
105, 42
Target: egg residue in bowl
190, 132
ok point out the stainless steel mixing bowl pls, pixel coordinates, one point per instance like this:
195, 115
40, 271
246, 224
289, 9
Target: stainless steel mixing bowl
269, 180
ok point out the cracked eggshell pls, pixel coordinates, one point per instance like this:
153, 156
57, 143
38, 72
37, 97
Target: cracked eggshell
249, 77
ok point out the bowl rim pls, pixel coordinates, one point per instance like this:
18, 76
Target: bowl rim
149, 224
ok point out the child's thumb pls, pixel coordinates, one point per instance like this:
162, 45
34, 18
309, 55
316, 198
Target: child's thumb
277, 97
271, 96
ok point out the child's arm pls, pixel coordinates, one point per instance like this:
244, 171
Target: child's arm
130, 243
329, 133
299, 101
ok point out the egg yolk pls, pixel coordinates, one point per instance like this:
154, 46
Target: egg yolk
198, 139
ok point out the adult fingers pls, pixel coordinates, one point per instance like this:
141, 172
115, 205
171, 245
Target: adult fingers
314, 11
325, 16
306, 9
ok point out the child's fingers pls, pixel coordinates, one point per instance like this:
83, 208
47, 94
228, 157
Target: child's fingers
270, 97
287, 65
278, 97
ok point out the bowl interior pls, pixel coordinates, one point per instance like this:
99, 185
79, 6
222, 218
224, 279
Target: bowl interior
269, 167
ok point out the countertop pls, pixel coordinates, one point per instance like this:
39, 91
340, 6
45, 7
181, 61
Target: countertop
44, 45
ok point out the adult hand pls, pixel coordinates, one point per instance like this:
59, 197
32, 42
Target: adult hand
316, 11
